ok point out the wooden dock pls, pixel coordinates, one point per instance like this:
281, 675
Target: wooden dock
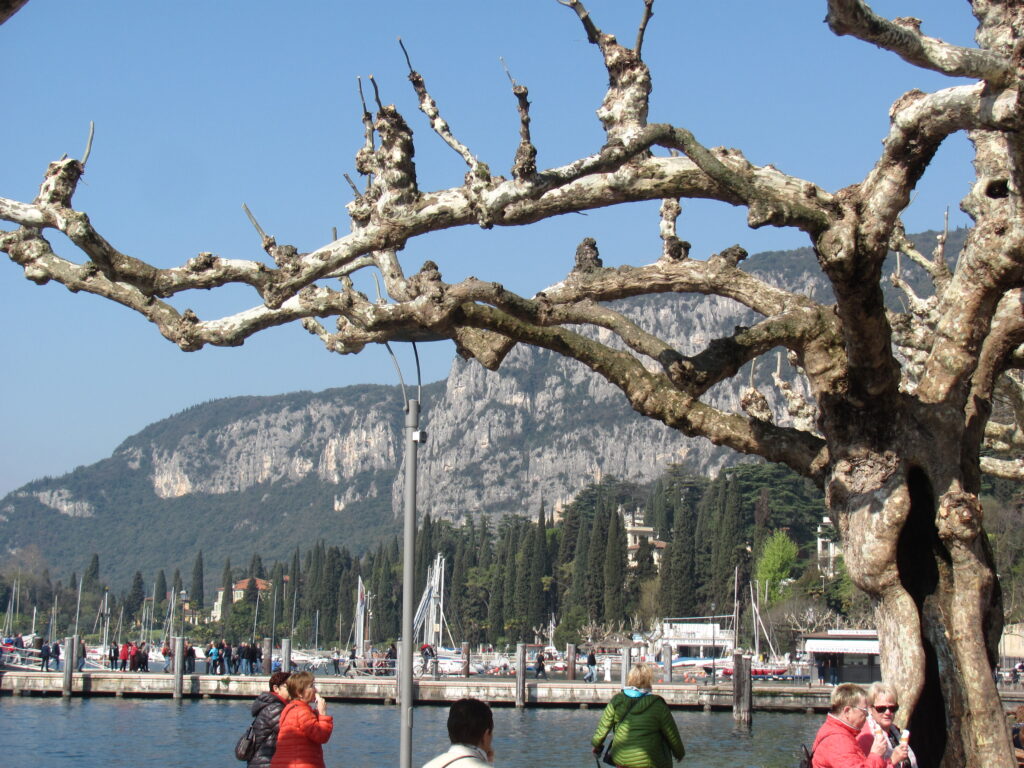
383, 690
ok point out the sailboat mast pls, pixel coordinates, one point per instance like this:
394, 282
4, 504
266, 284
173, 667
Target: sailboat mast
78, 605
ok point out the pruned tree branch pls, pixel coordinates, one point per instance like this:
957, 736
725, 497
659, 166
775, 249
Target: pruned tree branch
903, 37
10, 7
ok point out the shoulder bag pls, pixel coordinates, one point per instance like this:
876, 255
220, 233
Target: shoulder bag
245, 747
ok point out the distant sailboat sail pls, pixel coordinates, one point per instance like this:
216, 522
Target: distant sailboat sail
361, 619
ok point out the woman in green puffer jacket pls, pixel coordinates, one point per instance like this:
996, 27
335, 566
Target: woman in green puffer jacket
644, 733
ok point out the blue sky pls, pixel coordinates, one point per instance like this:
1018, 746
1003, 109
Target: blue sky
201, 106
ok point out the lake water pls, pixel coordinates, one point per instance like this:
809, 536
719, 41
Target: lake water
151, 733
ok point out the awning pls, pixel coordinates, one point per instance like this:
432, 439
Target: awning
840, 645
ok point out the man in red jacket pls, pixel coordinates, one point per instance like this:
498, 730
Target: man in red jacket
836, 746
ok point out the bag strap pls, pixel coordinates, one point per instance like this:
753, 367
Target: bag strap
631, 704
456, 759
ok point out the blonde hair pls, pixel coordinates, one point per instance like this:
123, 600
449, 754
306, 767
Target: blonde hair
846, 695
298, 683
879, 688
640, 676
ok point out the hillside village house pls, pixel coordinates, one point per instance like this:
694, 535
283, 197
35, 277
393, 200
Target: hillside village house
636, 532
237, 593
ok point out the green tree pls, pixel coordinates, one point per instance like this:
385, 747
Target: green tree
227, 583
160, 609
615, 570
776, 565
196, 595
134, 599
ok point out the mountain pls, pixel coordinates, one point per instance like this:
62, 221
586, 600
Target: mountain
266, 474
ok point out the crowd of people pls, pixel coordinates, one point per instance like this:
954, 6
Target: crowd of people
244, 659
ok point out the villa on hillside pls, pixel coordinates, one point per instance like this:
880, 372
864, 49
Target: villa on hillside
238, 590
636, 532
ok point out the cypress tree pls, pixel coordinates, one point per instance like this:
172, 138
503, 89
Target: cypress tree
135, 597
727, 545
176, 585
456, 602
256, 570
614, 571
196, 596
91, 577
425, 552
644, 569
333, 569
538, 609
577, 592
508, 576
161, 587
227, 585
293, 590
594, 586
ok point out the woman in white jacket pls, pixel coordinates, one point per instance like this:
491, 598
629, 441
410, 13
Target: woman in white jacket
470, 730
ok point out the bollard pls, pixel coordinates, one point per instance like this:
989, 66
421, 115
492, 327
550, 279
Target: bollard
286, 654
742, 690
570, 660
69, 666
179, 666
666, 659
268, 655
520, 675
465, 659
624, 672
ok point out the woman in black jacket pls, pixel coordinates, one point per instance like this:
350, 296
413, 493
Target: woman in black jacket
267, 711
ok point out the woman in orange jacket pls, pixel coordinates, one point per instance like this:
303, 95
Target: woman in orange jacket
303, 731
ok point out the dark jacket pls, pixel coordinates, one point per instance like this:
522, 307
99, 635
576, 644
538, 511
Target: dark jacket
267, 711
647, 738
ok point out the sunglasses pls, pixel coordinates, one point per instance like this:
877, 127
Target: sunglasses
894, 708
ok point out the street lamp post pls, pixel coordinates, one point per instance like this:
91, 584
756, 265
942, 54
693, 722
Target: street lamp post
184, 596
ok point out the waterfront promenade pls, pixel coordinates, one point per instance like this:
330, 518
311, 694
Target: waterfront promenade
768, 696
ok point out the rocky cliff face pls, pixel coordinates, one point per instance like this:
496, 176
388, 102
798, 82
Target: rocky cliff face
326, 437
542, 427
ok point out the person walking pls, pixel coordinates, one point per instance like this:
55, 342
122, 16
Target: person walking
44, 657
190, 658
644, 733
303, 730
591, 676
266, 711
538, 666
55, 654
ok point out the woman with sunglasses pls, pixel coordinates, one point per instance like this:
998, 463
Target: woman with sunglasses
882, 709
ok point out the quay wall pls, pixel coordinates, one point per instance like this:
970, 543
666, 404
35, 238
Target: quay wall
497, 691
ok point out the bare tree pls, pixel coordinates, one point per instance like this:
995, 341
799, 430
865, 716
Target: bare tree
10, 7
902, 402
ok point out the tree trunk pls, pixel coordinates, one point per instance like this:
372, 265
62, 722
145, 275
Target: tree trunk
913, 540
